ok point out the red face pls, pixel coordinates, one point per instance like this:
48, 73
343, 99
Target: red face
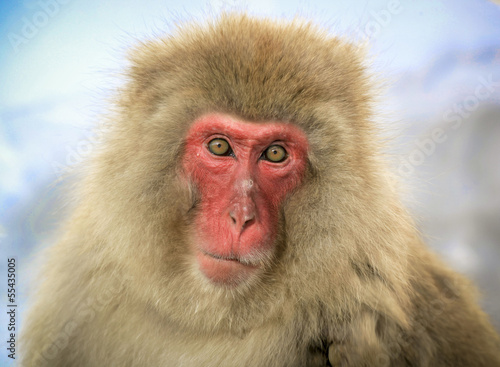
243, 172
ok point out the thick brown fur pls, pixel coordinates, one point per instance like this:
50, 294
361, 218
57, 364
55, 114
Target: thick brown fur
352, 279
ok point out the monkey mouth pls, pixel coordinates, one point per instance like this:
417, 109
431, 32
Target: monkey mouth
232, 257
226, 270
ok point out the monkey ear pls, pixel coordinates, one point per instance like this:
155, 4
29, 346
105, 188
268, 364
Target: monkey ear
319, 355
317, 359
335, 355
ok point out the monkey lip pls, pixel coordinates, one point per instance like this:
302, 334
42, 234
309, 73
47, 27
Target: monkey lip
229, 258
227, 270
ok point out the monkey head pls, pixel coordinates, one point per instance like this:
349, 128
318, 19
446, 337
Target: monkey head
237, 167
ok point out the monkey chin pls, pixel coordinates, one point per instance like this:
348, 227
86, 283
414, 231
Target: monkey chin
225, 271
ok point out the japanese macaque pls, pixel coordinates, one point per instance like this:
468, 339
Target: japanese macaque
238, 213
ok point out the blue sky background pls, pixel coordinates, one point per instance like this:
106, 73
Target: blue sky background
432, 53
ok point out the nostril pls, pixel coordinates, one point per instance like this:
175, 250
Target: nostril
232, 217
247, 223
243, 220
242, 214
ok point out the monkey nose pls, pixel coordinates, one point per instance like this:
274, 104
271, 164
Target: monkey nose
242, 214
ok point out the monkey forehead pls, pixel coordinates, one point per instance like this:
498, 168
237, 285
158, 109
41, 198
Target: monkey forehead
246, 131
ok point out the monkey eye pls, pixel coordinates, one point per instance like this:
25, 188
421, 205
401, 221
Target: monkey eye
275, 154
219, 146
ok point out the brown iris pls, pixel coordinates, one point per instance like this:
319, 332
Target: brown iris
275, 154
219, 146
